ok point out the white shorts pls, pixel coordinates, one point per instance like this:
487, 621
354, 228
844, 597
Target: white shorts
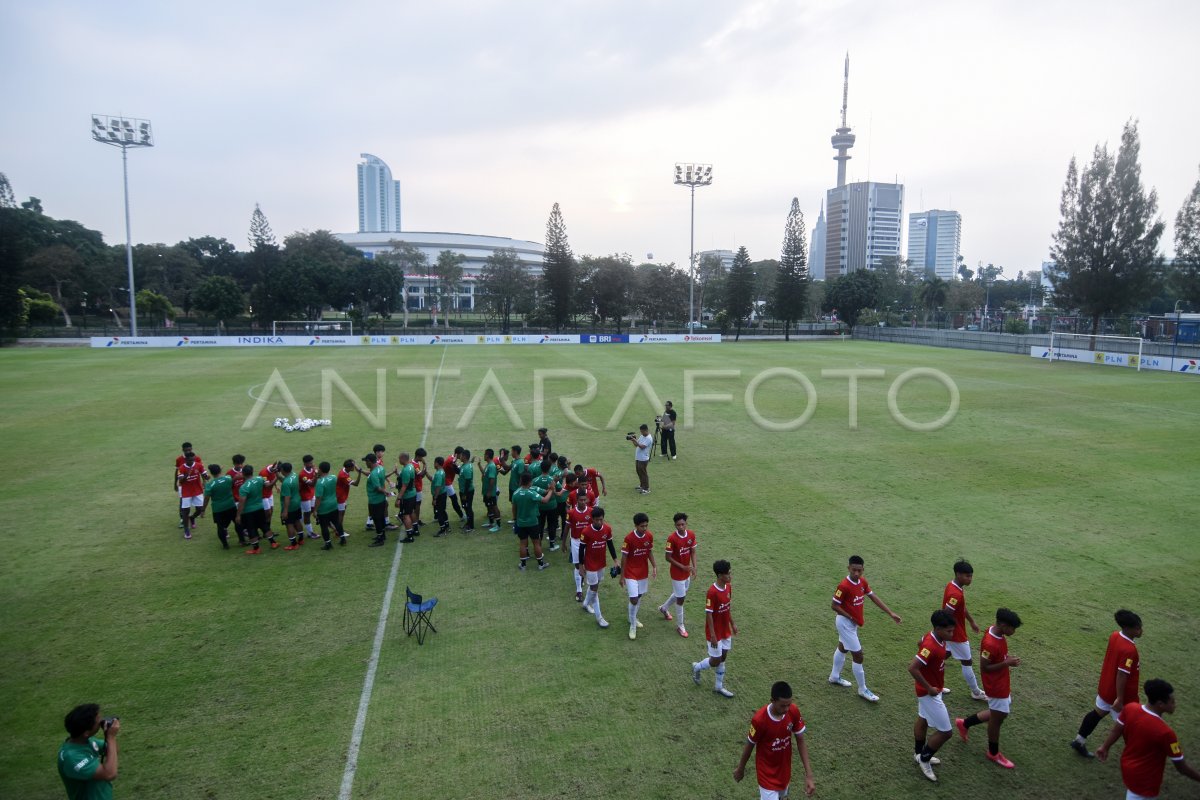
959, 650
575, 554
341, 506
1001, 704
268, 503
1132, 795
636, 588
931, 709
722, 647
419, 496
307, 505
772, 794
449, 490
192, 502
679, 588
847, 633
594, 578
1105, 706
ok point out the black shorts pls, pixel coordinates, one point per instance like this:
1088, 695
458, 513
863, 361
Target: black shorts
525, 532
328, 519
292, 517
255, 521
407, 505
224, 519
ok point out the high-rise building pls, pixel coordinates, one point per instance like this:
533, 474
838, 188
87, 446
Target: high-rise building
816, 248
378, 197
934, 240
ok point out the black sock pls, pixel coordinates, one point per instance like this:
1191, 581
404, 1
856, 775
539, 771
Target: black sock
972, 720
993, 747
920, 746
271, 538
926, 753
1090, 721
523, 560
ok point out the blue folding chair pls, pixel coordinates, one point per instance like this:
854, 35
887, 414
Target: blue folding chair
418, 615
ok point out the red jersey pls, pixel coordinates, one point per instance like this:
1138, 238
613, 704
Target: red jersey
451, 470
931, 652
772, 740
954, 601
308, 483
1121, 656
191, 479
341, 491
595, 546
578, 520
267, 473
419, 482
179, 460
588, 493
238, 480
1148, 740
591, 476
993, 651
637, 549
717, 604
849, 595
681, 548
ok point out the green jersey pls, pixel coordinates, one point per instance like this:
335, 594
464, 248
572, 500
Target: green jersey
466, 478
557, 474
439, 482
540, 484
408, 479
290, 489
526, 502
219, 492
490, 473
377, 486
326, 494
515, 472
252, 494
77, 763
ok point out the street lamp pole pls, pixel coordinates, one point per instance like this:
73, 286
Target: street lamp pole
124, 133
691, 176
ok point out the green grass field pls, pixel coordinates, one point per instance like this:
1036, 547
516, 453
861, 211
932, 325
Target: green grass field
1070, 487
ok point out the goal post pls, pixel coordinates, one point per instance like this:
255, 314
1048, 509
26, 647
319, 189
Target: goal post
1115, 350
308, 327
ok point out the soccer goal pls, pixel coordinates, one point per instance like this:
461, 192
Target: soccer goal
307, 327
1120, 351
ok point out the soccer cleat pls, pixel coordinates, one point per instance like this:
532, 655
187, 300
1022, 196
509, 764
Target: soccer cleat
314, 535
979, 695
932, 759
554, 546
682, 631
469, 530
370, 525
961, 726
292, 547
253, 551
926, 769
1081, 748
274, 545
494, 529
868, 695
1000, 759
674, 457
521, 566
638, 622
440, 532
633, 631
180, 523
666, 614
343, 538
327, 546
391, 526
723, 692
602, 622
187, 534
839, 681
695, 675
579, 597
225, 544
377, 542
408, 539
542, 565
589, 609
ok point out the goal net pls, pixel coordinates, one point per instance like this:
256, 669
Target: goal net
1119, 351
308, 327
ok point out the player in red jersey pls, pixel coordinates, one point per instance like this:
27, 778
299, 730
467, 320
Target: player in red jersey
1118, 677
928, 669
342, 490
593, 477
955, 601
268, 474
595, 538
308, 492
190, 477
994, 663
719, 628
579, 516
637, 552
848, 607
1148, 740
772, 729
238, 479
681, 555
185, 450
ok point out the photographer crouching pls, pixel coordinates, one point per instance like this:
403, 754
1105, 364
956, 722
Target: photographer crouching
88, 765
643, 447
666, 429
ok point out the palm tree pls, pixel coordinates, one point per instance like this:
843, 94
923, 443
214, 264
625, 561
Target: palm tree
932, 294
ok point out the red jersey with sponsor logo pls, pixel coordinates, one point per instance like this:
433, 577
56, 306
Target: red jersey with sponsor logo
308, 483
595, 546
931, 652
588, 493
637, 549
1121, 656
681, 548
341, 490
993, 651
267, 473
191, 480
954, 601
772, 739
849, 595
578, 519
1149, 741
592, 477
717, 604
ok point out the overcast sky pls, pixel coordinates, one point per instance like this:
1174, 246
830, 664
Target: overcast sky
488, 112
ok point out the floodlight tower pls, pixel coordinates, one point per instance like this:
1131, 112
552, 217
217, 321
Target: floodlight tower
691, 176
843, 139
125, 133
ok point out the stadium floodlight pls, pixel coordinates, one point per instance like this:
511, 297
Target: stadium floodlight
691, 176
125, 133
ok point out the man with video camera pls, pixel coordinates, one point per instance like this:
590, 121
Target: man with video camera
643, 446
666, 429
88, 765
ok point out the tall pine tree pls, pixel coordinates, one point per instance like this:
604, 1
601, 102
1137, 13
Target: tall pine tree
261, 234
1185, 277
791, 283
558, 270
739, 290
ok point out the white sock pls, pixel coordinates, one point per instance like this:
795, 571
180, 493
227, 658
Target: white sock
702, 664
860, 675
679, 615
309, 526
632, 614
720, 675
578, 581
839, 661
596, 604
972, 681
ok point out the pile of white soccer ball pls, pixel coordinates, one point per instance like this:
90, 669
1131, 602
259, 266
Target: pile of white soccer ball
304, 424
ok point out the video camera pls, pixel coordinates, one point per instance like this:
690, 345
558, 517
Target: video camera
631, 437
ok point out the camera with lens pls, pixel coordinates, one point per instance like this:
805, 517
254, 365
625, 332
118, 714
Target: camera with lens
631, 437
658, 421
108, 722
